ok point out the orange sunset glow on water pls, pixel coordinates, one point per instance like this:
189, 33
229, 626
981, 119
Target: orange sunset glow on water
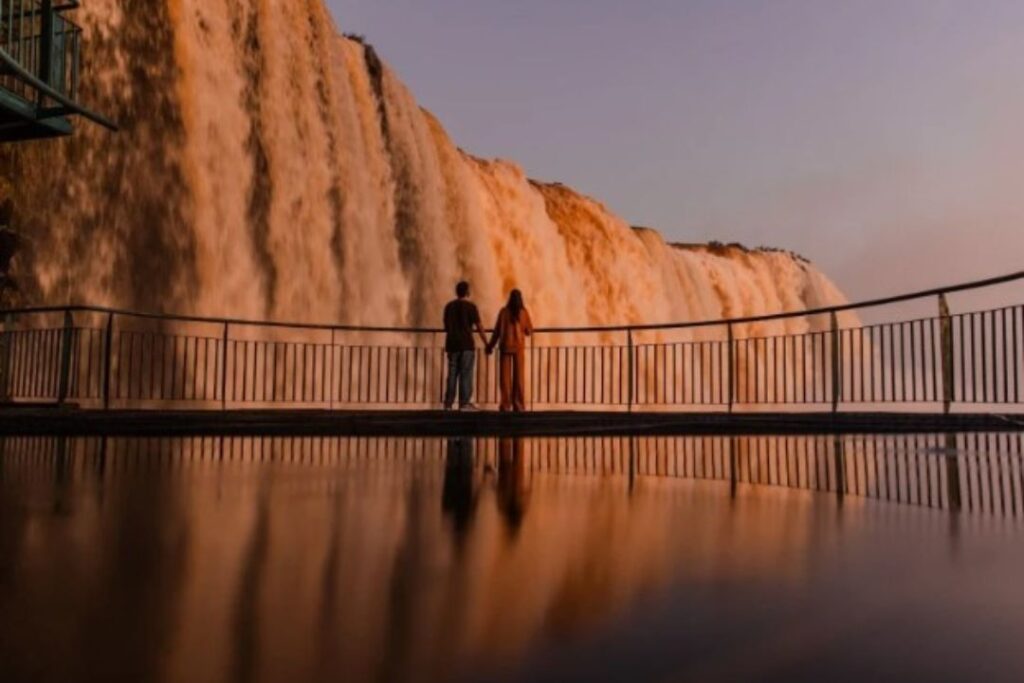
427, 560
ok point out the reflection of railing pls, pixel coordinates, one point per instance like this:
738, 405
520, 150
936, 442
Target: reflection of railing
976, 473
111, 358
971, 472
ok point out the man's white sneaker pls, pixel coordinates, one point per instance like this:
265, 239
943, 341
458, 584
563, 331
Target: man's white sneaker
470, 407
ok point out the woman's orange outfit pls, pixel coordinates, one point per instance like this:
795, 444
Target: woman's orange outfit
510, 337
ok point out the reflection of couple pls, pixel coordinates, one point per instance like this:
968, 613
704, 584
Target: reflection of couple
513, 326
461, 487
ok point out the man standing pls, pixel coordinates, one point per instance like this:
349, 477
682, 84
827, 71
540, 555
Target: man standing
461, 319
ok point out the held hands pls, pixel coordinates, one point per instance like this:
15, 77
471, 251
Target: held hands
490, 349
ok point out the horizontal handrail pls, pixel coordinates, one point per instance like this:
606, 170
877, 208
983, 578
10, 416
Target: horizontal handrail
56, 9
243, 322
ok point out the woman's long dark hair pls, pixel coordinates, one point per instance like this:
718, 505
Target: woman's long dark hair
515, 304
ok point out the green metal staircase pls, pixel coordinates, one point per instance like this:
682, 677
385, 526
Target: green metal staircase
40, 61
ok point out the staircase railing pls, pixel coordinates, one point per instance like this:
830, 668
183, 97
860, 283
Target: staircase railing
40, 58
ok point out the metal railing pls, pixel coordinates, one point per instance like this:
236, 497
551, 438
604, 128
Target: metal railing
821, 359
44, 43
40, 61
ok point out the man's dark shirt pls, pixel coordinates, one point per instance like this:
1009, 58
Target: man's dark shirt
459, 318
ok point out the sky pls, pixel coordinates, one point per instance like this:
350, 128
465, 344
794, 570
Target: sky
882, 139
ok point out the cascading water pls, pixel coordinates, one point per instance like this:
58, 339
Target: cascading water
269, 167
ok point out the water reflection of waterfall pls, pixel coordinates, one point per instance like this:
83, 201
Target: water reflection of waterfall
408, 557
270, 168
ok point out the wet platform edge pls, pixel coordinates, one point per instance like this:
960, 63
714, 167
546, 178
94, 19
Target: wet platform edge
50, 420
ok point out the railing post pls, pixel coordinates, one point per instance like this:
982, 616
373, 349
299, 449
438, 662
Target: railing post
5, 357
731, 379
531, 362
331, 372
108, 343
46, 43
836, 360
67, 343
946, 346
224, 369
630, 368
442, 368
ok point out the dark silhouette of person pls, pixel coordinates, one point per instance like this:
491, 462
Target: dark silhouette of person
513, 486
461, 319
459, 493
510, 332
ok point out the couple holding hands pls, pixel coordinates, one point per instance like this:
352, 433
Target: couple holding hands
513, 326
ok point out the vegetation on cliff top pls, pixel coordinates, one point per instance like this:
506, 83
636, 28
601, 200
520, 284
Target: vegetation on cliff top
722, 249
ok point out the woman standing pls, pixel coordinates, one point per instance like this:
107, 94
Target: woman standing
510, 333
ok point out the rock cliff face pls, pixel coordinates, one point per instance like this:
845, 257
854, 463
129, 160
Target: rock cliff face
270, 167
8, 247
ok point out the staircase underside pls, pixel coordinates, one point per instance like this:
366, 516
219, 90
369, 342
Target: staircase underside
21, 120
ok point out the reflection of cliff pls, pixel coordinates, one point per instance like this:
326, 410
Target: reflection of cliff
327, 559
81, 561
269, 167
237, 556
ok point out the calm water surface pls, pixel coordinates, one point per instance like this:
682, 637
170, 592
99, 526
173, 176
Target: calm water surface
512, 560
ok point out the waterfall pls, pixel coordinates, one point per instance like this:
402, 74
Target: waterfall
269, 167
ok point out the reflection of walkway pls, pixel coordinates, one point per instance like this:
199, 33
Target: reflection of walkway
970, 472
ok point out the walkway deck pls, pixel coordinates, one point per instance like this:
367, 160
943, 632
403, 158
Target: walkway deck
50, 421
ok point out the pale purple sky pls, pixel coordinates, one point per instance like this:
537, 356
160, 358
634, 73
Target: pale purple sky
883, 139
